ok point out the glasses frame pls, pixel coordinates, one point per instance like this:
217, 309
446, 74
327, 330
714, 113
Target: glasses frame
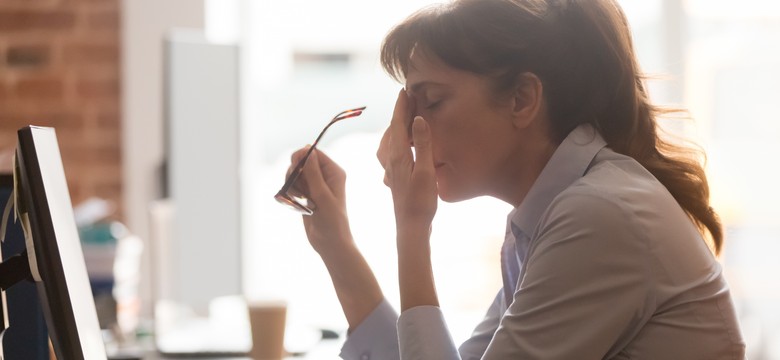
300, 203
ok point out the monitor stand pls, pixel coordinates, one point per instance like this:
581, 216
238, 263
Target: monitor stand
12, 271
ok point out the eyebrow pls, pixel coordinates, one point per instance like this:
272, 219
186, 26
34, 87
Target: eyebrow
419, 86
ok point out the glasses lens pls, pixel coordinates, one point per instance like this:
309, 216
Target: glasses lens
297, 203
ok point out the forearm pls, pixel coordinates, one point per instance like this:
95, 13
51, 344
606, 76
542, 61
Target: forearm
356, 286
415, 270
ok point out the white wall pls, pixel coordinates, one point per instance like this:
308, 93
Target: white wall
144, 25
203, 172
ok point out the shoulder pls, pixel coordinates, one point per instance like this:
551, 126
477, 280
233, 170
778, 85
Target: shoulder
618, 185
615, 200
587, 211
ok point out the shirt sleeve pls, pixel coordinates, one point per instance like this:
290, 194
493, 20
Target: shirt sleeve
585, 293
474, 347
423, 334
376, 338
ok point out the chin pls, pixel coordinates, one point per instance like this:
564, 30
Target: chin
450, 195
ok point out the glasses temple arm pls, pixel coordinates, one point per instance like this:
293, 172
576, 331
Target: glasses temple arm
299, 166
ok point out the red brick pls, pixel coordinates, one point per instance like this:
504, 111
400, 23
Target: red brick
36, 20
74, 170
77, 194
91, 53
111, 191
59, 119
49, 87
95, 3
105, 174
92, 155
27, 55
108, 155
91, 179
27, 4
104, 20
103, 138
76, 43
7, 139
98, 88
108, 119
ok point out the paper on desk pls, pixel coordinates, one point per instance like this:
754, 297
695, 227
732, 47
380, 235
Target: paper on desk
20, 213
4, 220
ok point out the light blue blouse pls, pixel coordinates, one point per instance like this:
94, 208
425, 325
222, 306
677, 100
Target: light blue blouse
607, 266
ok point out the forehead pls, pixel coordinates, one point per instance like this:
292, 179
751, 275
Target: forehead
426, 68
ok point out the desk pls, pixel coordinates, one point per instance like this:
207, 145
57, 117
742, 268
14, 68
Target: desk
324, 350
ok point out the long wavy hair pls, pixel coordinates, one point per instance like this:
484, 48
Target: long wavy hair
582, 52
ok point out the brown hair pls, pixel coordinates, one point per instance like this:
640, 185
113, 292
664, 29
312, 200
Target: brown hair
582, 52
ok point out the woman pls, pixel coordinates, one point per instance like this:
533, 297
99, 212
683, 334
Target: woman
540, 104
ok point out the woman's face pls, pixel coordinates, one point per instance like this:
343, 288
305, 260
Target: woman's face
473, 137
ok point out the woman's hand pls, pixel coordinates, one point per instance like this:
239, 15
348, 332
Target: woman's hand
323, 183
412, 181
415, 195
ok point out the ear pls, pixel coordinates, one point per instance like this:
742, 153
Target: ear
527, 99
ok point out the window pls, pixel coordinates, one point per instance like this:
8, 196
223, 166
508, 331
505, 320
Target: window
715, 58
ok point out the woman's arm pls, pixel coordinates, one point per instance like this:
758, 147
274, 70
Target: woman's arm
355, 284
422, 332
328, 231
413, 185
415, 272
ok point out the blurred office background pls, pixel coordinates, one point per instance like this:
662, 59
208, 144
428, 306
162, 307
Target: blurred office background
100, 72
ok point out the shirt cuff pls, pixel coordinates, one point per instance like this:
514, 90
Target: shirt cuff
376, 338
423, 334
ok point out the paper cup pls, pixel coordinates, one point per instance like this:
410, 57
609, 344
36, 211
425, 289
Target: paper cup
267, 319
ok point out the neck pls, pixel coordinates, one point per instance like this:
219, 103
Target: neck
523, 167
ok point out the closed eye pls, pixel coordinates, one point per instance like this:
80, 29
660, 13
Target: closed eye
433, 105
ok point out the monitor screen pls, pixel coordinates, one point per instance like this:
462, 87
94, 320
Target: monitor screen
54, 247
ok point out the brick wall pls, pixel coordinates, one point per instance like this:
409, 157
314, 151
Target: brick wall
59, 67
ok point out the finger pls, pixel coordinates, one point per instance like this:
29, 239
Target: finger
383, 155
299, 154
299, 186
295, 158
412, 105
382, 152
332, 174
313, 174
421, 133
399, 131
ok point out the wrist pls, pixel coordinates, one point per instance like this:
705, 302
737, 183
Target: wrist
338, 252
414, 235
414, 227
356, 287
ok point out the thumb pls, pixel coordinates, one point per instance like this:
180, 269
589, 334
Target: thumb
421, 136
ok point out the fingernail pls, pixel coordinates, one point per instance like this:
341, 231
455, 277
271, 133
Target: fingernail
419, 124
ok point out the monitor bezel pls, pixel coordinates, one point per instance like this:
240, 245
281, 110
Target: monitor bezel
53, 291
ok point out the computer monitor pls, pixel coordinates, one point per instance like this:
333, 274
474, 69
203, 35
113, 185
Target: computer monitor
54, 248
27, 337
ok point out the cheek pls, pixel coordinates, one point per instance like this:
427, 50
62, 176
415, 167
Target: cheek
428, 115
455, 128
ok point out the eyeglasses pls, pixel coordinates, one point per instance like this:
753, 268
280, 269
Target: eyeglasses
301, 203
